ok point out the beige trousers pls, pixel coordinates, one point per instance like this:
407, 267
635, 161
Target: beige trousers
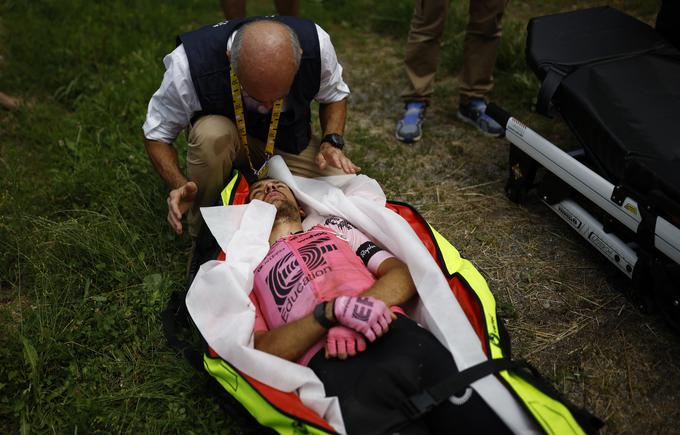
214, 148
480, 48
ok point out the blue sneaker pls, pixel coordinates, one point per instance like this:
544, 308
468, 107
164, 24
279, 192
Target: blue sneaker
409, 127
475, 113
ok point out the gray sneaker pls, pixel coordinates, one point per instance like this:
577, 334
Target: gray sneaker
474, 113
409, 128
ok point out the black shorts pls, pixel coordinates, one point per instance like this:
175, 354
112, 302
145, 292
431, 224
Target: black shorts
408, 359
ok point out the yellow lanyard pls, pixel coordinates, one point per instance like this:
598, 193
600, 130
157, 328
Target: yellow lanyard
241, 124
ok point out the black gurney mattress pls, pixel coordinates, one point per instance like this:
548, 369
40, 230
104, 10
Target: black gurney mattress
620, 94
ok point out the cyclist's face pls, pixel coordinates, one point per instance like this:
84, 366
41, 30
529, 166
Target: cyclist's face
270, 191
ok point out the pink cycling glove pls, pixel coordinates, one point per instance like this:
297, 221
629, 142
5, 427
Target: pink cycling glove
367, 315
342, 341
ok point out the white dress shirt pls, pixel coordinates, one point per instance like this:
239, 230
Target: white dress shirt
175, 102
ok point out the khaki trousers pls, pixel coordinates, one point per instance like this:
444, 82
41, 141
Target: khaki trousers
480, 48
214, 148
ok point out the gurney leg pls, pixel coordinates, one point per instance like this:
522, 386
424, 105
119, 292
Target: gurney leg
666, 277
521, 174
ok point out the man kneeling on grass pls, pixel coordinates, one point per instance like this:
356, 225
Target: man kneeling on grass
322, 294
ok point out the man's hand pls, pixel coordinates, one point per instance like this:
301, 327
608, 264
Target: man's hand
179, 201
342, 342
364, 314
329, 155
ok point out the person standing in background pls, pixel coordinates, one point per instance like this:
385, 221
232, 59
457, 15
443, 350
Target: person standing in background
480, 48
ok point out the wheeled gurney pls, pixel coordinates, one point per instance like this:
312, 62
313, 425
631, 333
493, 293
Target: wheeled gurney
616, 83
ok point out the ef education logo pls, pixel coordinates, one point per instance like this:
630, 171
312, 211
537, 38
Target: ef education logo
362, 310
287, 279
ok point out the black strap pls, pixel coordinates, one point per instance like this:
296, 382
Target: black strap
646, 230
551, 82
421, 403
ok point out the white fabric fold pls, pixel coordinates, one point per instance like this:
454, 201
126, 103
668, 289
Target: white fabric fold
219, 305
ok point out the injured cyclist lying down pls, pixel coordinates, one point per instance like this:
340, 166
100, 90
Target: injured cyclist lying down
327, 293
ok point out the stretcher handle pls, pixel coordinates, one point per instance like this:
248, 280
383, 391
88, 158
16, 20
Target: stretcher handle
498, 114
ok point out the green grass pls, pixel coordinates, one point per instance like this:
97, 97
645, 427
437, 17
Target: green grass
86, 259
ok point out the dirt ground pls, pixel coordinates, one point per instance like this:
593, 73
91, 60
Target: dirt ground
563, 303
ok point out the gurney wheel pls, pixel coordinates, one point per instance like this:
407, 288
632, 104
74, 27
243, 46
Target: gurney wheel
516, 193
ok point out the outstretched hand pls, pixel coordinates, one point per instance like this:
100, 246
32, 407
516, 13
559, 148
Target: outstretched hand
179, 201
342, 342
329, 155
364, 314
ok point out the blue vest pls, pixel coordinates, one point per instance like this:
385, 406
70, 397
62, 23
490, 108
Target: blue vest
206, 50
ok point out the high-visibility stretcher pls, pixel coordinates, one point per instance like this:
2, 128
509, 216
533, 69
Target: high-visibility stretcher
454, 303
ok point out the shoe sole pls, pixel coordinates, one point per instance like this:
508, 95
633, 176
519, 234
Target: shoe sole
474, 124
415, 139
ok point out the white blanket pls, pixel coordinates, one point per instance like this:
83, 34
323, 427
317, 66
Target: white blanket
219, 305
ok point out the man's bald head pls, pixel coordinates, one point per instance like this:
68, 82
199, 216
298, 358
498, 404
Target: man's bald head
265, 55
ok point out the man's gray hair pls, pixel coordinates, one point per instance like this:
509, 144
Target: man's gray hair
238, 42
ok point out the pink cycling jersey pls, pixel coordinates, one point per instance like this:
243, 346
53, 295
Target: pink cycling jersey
304, 269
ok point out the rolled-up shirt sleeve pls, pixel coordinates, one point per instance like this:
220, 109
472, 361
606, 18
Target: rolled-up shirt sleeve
332, 87
174, 103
